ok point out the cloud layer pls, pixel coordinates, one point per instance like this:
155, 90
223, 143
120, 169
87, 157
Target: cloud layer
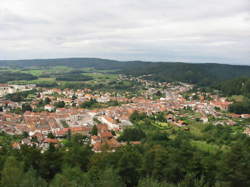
159, 30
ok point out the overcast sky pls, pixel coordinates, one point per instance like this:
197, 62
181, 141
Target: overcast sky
158, 30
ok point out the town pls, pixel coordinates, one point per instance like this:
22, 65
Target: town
51, 114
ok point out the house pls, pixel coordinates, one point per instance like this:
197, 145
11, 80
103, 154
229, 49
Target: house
95, 139
80, 130
97, 147
220, 104
102, 128
106, 135
204, 119
234, 115
103, 99
112, 144
170, 118
135, 142
26, 141
245, 116
247, 131
181, 123
50, 141
50, 108
46, 143
16, 145
39, 136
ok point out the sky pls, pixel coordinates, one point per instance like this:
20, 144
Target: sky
152, 30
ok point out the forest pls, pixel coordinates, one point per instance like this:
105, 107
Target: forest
6, 76
237, 87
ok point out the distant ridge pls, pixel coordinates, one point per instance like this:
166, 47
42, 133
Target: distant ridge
82, 61
198, 73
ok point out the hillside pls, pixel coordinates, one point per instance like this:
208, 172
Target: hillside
202, 74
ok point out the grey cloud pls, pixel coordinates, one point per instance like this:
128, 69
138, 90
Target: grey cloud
190, 30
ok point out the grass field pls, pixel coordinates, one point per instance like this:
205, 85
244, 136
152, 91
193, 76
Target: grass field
37, 81
99, 76
207, 147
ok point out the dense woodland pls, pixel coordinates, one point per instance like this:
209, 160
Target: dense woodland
201, 74
236, 87
6, 76
162, 160
72, 76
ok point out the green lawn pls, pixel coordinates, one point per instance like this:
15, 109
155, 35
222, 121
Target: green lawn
207, 147
38, 81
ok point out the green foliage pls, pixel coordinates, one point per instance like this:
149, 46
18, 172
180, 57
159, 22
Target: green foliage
20, 96
6, 76
89, 104
94, 131
64, 123
12, 173
50, 135
240, 107
238, 86
92, 103
59, 104
73, 76
47, 101
109, 178
132, 134
151, 182
26, 107
202, 74
136, 116
70, 177
128, 167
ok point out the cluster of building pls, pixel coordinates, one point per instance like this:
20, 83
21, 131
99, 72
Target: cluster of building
9, 89
110, 121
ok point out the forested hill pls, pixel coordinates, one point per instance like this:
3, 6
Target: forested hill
203, 74
70, 62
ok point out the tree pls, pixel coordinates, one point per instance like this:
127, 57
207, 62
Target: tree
51, 163
94, 131
132, 134
25, 134
50, 135
151, 182
155, 162
89, 104
110, 178
31, 179
59, 104
26, 107
129, 166
78, 156
236, 168
70, 177
47, 101
12, 173
69, 135
74, 97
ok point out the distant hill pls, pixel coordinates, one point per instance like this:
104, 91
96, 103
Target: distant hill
203, 74
70, 62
